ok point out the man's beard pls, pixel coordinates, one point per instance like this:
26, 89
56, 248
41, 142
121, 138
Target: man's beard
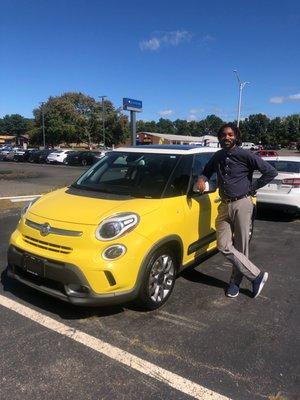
228, 144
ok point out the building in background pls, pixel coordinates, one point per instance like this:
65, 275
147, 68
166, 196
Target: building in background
145, 138
11, 140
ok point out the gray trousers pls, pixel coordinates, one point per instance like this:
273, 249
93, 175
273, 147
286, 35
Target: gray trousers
233, 225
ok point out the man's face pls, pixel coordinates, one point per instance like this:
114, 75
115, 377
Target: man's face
227, 139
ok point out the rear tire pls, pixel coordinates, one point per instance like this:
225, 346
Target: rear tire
158, 280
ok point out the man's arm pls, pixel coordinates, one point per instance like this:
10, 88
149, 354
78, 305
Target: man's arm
268, 172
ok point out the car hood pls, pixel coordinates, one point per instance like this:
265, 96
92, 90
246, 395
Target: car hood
63, 206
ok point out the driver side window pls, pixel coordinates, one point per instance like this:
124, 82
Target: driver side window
200, 161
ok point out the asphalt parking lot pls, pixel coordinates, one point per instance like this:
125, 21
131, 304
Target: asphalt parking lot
237, 348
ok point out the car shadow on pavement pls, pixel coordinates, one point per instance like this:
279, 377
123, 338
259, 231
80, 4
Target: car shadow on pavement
195, 276
52, 305
267, 214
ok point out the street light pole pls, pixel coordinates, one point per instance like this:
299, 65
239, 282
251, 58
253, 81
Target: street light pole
103, 124
43, 124
241, 87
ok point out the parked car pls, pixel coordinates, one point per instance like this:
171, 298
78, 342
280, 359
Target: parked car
120, 232
7, 154
39, 156
23, 155
58, 156
83, 158
283, 193
267, 153
249, 146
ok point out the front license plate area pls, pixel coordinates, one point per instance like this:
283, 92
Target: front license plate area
34, 266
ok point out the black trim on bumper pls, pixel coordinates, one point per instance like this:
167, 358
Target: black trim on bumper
57, 276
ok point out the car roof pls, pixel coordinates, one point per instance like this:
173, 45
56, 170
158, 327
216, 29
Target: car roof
168, 149
282, 158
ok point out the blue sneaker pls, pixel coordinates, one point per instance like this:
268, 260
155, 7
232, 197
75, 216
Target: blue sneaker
233, 290
259, 283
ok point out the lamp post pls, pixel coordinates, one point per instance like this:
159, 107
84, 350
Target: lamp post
43, 124
103, 124
241, 87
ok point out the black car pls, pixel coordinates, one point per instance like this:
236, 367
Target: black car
39, 156
83, 158
23, 155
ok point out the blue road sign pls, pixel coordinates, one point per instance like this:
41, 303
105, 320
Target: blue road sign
132, 105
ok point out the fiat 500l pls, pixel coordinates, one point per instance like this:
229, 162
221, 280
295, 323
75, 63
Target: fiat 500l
121, 232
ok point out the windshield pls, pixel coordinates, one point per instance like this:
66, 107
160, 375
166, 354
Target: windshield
134, 174
286, 166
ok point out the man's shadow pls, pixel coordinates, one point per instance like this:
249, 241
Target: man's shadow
193, 275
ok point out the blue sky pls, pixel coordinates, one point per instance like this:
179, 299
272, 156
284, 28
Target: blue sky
176, 56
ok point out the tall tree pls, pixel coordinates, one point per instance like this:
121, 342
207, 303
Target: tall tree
16, 125
77, 118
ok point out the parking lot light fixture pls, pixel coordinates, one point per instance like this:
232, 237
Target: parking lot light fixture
43, 124
241, 87
103, 123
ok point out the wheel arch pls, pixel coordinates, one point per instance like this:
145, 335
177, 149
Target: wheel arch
175, 243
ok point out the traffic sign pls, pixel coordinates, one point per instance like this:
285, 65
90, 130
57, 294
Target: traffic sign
132, 105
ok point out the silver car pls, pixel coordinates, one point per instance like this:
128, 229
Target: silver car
283, 193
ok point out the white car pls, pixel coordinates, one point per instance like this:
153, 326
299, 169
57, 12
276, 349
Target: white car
58, 156
249, 146
284, 191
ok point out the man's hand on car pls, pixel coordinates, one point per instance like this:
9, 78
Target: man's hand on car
200, 185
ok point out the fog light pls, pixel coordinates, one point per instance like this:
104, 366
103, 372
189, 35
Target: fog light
77, 290
113, 252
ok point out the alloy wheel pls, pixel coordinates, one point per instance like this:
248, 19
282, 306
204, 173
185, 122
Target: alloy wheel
161, 278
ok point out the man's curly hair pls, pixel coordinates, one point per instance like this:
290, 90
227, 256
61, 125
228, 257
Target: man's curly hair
235, 129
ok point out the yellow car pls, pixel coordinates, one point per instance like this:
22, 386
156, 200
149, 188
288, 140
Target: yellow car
121, 232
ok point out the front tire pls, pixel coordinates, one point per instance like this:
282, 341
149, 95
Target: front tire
159, 279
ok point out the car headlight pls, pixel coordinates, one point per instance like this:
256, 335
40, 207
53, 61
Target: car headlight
116, 226
27, 206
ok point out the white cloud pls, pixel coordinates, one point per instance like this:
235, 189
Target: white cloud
277, 99
207, 39
196, 110
192, 117
151, 44
165, 113
294, 96
165, 39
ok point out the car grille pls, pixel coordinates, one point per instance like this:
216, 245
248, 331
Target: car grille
47, 246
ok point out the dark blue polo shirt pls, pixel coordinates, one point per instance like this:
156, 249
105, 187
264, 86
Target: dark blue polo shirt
235, 169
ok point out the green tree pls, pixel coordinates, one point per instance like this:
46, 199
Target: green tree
165, 126
16, 125
257, 128
77, 118
212, 124
181, 127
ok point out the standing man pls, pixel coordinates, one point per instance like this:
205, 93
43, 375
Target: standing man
234, 167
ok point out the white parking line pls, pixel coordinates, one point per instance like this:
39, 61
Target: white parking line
15, 199
167, 377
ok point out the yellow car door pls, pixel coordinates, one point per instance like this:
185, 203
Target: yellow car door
200, 214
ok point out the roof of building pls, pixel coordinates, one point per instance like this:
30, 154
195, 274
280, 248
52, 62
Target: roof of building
181, 138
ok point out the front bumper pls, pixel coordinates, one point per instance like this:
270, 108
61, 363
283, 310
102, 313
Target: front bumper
56, 278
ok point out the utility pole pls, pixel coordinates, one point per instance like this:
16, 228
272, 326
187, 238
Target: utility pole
241, 87
103, 121
43, 124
